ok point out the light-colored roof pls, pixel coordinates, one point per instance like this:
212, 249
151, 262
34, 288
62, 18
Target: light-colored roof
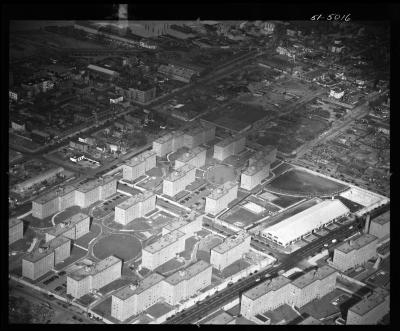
222, 190
179, 173
94, 269
163, 139
13, 222
130, 290
188, 273
175, 224
186, 157
230, 140
67, 224
135, 199
164, 241
369, 303
357, 243
231, 242
307, 220
312, 276
46, 249
255, 168
273, 284
101, 69
88, 186
140, 158
223, 318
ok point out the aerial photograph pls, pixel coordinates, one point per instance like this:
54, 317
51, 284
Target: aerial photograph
199, 172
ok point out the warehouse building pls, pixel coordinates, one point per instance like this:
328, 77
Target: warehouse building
94, 277
278, 291
220, 197
254, 175
231, 250
185, 283
73, 227
355, 252
295, 227
196, 157
47, 175
163, 250
82, 194
43, 259
229, 146
132, 300
138, 165
176, 181
15, 230
380, 226
135, 207
102, 72
168, 143
370, 310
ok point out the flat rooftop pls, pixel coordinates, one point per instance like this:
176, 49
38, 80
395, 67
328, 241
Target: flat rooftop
135, 199
49, 248
13, 222
312, 276
222, 190
369, 303
67, 224
101, 69
188, 273
130, 290
255, 168
227, 141
357, 243
231, 242
175, 224
223, 318
273, 284
46, 197
186, 157
94, 269
164, 241
140, 158
88, 186
382, 219
179, 173
169, 136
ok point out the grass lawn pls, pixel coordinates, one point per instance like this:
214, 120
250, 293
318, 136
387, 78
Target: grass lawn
116, 284
38, 223
84, 240
66, 214
87, 299
122, 246
169, 266
286, 201
189, 245
301, 182
76, 254
220, 174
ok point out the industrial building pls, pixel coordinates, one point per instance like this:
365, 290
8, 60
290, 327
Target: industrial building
135, 207
43, 259
15, 230
355, 252
229, 146
138, 165
177, 72
163, 250
278, 291
254, 175
73, 227
102, 72
183, 284
47, 175
295, 227
168, 143
198, 135
380, 226
231, 250
93, 277
176, 181
132, 300
220, 197
196, 157
370, 310
81, 194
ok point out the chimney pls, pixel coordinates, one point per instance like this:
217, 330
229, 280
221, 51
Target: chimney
367, 223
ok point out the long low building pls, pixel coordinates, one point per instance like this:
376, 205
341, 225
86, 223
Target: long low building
38, 179
295, 227
73, 227
15, 230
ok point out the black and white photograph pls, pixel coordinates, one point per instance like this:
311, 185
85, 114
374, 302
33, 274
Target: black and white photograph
198, 170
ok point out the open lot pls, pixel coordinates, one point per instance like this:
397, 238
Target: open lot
300, 182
